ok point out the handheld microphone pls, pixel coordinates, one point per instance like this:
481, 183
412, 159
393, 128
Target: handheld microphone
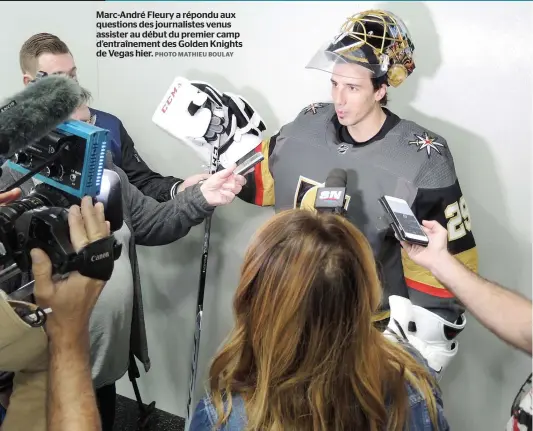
37, 110
331, 197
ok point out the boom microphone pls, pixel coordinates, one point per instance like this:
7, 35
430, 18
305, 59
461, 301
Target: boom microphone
331, 197
37, 110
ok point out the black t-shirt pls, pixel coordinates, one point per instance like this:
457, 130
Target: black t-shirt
344, 136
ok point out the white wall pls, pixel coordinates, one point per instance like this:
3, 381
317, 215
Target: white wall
472, 85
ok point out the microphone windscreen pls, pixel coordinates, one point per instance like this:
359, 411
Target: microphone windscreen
37, 110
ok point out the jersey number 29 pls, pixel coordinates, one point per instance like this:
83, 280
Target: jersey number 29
458, 217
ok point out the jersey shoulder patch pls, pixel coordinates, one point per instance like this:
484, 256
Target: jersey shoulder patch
310, 122
435, 161
315, 108
423, 140
316, 111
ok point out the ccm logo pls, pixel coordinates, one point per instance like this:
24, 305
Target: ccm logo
97, 257
331, 195
169, 100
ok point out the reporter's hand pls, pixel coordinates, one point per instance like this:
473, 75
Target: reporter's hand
192, 180
10, 196
222, 187
437, 248
71, 300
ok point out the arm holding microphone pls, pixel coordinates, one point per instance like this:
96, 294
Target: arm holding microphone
505, 313
50, 100
156, 223
202, 117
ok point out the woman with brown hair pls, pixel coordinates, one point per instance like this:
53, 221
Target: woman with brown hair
304, 354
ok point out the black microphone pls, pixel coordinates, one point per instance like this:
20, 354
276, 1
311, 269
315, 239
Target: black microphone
331, 197
37, 110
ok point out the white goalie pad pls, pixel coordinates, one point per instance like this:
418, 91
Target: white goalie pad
201, 116
430, 334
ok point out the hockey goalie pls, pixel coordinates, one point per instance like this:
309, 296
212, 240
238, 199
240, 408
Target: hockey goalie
382, 153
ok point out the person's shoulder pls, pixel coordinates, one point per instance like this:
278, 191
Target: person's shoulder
415, 397
418, 404
308, 120
428, 151
422, 140
206, 415
417, 356
101, 115
316, 111
203, 416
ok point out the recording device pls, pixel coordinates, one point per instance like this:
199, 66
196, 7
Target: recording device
403, 221
39, 141
68, 158
332, 197
35, 111
249, 163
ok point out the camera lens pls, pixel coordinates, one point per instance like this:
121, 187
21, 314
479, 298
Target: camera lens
12, 211
43, 195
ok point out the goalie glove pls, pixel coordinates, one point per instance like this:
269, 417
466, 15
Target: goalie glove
430, 334
201, 116
184, 115
244, 129
234, 122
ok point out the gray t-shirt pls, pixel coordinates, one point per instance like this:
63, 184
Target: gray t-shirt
110, 323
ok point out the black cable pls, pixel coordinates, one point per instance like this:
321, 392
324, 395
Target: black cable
36, 170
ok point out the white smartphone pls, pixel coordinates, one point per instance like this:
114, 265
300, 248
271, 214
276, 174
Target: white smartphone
249, 163
404, 222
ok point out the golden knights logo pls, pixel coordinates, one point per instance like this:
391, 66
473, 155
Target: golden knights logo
306, 191
426, 142
313, 108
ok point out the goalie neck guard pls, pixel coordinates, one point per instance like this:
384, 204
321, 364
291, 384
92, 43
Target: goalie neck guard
376, 40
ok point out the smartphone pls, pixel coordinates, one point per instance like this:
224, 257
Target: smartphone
249, 163
404, 222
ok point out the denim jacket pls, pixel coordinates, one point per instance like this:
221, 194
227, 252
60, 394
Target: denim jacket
205, 416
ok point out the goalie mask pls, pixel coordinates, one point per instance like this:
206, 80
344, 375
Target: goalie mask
376, 40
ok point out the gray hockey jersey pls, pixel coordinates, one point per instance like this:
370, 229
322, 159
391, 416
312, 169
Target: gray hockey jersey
407, 161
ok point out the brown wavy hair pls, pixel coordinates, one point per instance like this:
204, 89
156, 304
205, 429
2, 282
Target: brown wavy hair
304, 354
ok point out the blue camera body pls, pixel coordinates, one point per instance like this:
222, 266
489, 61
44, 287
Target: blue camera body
79, 167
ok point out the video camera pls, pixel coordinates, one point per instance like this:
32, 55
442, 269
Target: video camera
69, 163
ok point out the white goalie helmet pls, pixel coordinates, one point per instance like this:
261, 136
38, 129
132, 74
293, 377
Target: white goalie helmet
204, 118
